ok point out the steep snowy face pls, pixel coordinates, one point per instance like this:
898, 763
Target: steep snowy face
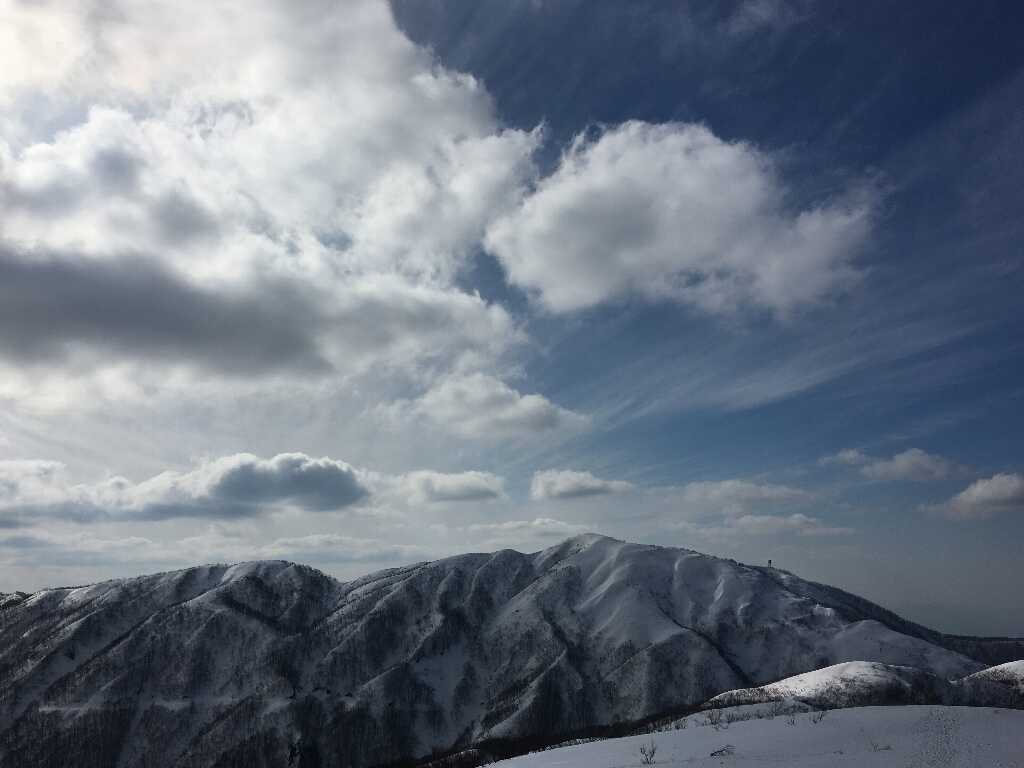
270, 662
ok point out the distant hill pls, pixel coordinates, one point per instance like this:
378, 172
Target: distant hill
863, 683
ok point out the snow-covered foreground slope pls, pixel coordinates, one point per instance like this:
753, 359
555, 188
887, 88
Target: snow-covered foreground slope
867, 737
262, 663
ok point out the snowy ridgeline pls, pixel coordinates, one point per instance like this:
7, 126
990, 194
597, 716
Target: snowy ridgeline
863, 683
867, 737
271, 663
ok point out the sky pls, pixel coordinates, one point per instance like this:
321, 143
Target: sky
359, 284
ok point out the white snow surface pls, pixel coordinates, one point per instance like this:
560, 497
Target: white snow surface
865, 737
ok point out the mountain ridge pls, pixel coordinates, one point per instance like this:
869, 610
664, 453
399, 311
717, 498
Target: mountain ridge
863, 684
263, 660
886, 616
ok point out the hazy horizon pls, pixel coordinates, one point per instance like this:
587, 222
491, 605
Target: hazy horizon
917, 613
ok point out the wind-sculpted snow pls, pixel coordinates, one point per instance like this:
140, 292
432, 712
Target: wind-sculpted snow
273, 663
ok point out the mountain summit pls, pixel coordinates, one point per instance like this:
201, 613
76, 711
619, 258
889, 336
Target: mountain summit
273, 663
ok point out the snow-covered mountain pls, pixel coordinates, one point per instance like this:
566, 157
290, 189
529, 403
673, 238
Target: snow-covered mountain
998, 686
272, 663
849, 684
867, 683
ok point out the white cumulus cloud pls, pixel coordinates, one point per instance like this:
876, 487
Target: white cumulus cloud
192, 185
571, 484
986, 498
912, 464
425, 487
479, 405
673, 212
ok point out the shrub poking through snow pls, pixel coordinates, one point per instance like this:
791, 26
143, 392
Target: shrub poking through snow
647, 753
713, 717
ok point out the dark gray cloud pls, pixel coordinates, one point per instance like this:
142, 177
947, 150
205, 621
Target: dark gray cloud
23, 541
53, 304
179, 219
116, 171
231, 487
111, 171
313, 484
175, 216
50, 200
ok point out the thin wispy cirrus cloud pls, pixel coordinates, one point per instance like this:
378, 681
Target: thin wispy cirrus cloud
735, 509
82, 549
767, 525
734, 496
752, 16
540, 529
853, 457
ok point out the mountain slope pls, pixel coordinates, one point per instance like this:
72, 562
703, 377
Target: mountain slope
864, 683
273, 663
999, 686
989, 650
849, 684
